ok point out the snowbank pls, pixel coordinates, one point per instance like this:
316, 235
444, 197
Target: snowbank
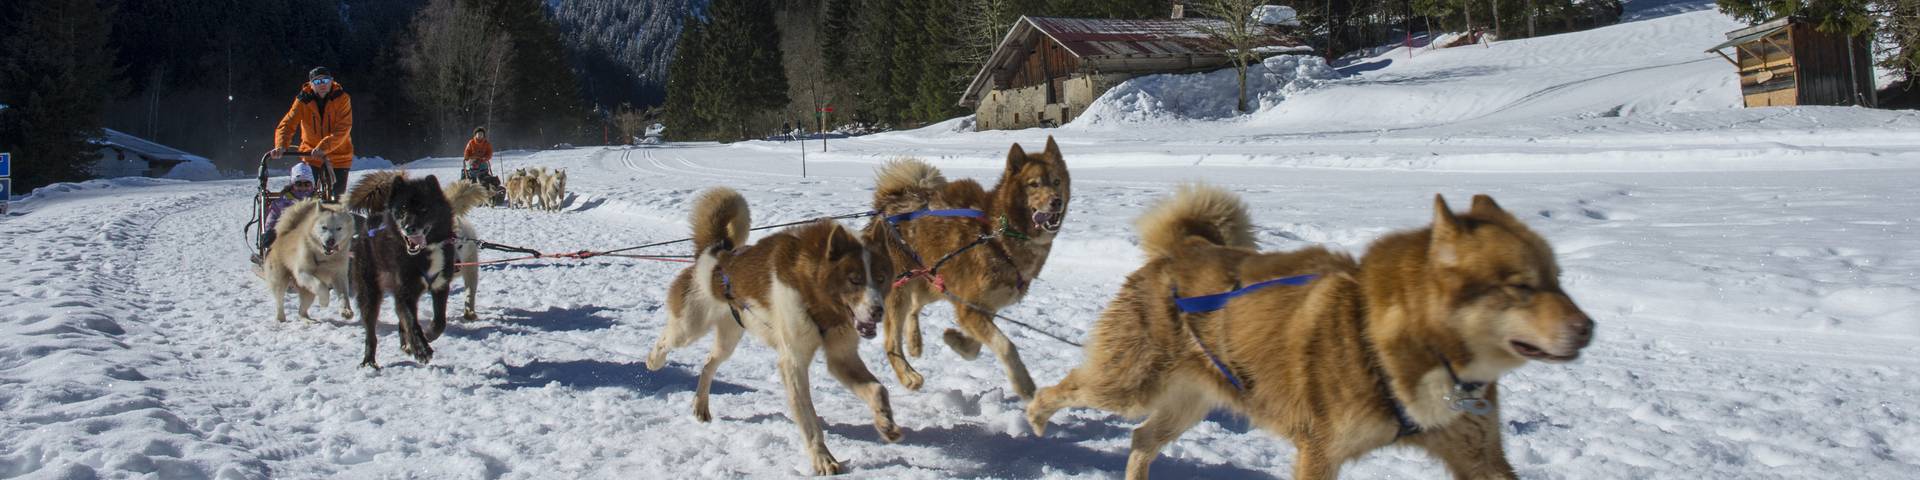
371, 163
195, 171
1204, 96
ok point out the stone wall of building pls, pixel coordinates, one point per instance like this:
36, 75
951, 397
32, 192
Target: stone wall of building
1017, 108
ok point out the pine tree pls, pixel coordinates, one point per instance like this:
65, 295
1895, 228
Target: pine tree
54, 82
684, 118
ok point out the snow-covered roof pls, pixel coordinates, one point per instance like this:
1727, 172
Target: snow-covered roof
1120, 45
146, 148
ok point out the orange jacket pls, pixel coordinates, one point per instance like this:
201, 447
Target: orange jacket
480, 150
331, 133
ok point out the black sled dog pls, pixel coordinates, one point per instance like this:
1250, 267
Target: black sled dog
410, 249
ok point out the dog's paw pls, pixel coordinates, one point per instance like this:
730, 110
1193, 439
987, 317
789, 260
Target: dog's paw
967, 348
889, 431
701, 413
912, 380
369, 363
469, 315
824, 464
1038, 420
656, 360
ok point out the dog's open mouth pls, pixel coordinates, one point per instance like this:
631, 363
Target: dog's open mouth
330, 248
1049, 221
867, 327
1536, 353
415, 243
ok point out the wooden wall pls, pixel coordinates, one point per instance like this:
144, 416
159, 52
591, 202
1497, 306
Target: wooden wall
1767, 71
1830, 73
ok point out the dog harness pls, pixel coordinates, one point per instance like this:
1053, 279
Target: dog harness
1468, 397
933, 272
1214, 302
726, 284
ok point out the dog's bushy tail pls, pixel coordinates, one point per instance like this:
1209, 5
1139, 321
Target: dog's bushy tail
296, 214
720, 217
1196, 212
905, 185
371, 192
464, 195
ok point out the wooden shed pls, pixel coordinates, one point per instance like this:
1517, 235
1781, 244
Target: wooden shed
1047, 70
1790, 62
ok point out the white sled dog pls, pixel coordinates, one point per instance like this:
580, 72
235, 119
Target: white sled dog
309, 254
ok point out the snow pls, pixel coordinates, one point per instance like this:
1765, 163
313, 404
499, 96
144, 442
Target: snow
1171, 98
1276, 15
1750, 270
196, 170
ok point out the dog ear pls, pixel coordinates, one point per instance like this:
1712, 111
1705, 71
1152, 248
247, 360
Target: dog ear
1446, 234
1016, 158
1484, 207
1053, 151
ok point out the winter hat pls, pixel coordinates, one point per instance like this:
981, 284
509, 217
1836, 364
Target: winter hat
318, 72
302, 172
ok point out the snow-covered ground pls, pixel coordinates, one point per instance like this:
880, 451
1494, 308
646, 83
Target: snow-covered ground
1751, 272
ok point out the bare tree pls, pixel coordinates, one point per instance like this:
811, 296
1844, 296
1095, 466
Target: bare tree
455, 62
1238, 31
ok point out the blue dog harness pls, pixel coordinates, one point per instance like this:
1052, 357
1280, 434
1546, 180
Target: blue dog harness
1214, 302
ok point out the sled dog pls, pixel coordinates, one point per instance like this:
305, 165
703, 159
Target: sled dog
410, 249
1402, 347
801, 290
309, 254
1018, 218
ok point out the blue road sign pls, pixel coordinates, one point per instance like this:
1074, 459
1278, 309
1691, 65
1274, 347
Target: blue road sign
6, 164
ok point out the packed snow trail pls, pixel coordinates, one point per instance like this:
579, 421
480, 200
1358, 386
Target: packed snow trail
1753, 325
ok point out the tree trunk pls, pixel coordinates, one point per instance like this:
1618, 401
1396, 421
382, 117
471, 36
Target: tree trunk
1530, 15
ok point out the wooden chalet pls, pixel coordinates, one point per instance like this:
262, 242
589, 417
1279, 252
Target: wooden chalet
1789, 62
1049, 69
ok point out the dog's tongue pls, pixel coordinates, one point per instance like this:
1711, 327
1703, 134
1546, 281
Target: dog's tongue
1046, 220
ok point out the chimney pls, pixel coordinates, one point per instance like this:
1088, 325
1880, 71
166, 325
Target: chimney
1179, 11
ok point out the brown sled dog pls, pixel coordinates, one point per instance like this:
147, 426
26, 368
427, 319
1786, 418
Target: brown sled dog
800, 290
1022, 214
1403, 347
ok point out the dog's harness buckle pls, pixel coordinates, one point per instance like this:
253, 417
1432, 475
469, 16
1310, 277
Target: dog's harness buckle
1467, 397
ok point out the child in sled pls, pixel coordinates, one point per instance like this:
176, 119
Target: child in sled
300, 189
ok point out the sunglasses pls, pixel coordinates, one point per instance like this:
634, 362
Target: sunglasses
322, 81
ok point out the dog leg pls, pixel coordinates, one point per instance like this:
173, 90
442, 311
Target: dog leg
306, 301
979, 325
724, 341
895, 314
1177, 412
369, 295
341, 282
1049, 400
682, 329
1470, 446
1313, 463
413, 341
277, 287
965, 346
439, 311
793, 373
471, 278
912, 326
843, 361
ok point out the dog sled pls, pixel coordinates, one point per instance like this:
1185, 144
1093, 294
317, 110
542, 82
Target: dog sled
496, 191
263, 198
